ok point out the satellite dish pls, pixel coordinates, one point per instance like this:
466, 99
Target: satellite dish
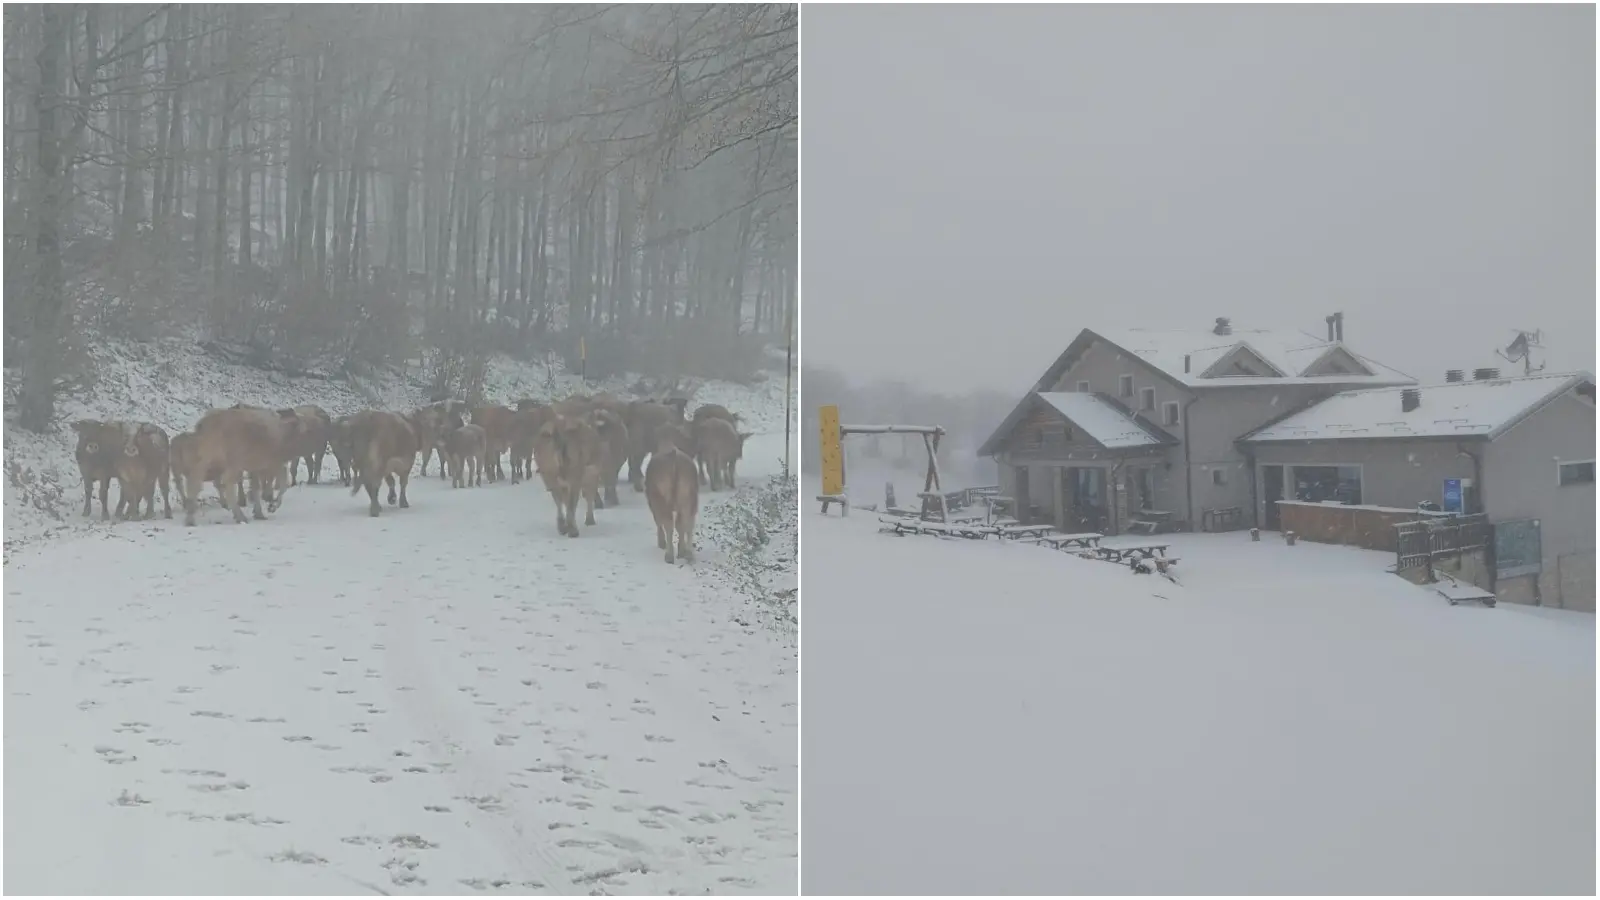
1521, 350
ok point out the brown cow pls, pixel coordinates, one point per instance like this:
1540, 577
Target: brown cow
614, 449
720, 448
230, 443
312, 446
568, 453
387, 445
496, 424
677, 404
434, 423
524, 431
465, 449
99, 445
142, 465
714, 411
643, 418
672, 488
182, 453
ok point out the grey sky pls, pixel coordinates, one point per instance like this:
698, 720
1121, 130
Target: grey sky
979, 183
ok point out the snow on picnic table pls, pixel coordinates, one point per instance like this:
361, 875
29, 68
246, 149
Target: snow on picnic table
448, 699
1001, 718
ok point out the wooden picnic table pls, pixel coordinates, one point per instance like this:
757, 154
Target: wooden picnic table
1150, 521
1125, 552
903, 525
1086, 540
1025, 531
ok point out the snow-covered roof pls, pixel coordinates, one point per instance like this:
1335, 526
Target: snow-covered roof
1107, 425
1099, 418
1289, 351
1465, 409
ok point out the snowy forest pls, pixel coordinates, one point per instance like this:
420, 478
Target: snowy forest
328, 188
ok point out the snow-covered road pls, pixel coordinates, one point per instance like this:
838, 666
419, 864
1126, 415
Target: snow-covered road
450, 698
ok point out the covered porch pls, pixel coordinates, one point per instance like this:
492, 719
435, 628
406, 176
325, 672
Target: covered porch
1081, 462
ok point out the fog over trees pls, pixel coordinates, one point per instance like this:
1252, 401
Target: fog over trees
968, 420
326, 188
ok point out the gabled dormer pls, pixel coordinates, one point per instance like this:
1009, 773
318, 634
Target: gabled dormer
1336, 360
1242, 361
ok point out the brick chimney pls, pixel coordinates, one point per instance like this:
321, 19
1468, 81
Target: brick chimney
1222, 327
1410, 399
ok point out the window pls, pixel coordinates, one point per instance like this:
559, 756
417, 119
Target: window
1083, 387
1328, 484
1219, 477
1125, 385
1147, 399
1169, 414
1581, 472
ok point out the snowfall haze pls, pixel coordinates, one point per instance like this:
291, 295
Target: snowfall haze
243, 237
994, 180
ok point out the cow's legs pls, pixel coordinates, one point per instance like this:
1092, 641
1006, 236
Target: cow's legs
405, 479
105, 491
686, 536
255, 498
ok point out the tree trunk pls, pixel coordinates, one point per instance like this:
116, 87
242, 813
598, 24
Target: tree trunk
43, 359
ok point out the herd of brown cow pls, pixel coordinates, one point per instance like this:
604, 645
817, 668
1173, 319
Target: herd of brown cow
577, 446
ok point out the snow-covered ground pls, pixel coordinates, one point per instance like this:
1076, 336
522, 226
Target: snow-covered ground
448, 699
1003, 719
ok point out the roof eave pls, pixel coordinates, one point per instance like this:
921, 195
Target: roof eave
1555, 394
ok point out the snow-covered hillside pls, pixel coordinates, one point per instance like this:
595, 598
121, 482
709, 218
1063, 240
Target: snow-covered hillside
1002, 719
448, 699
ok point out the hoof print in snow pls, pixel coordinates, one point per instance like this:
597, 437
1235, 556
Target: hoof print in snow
437, 809
596, 685
135, 727
86, 705
363, 770
413, 841
184, 689
380, 779
362, 840
211, 714
658, 739
298, 856
298, 738
504, 740
325, 747
261, 720
487, 803
127, 799
252, 819
218, 669
225, 786
417, 770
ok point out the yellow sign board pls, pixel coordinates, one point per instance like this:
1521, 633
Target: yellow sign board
832, 451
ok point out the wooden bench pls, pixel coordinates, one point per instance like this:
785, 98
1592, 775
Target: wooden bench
1227, 518
844, 504
1122, 554
1456, 593
1150, 521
